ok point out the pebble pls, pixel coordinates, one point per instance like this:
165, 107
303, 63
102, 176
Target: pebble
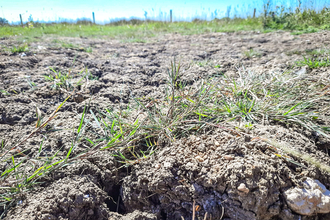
200, 159
243, 188
228, 157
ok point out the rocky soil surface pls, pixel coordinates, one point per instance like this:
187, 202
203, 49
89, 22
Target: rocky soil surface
228, 176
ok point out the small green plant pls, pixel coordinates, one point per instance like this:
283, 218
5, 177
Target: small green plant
60, 80
4, 92
56, 41
89, 49
69, 45
318, 52
203, 63
306, 31
134, 40
248, 125
314, 63
251, 53
31, 84
91, 77
15, 178
19, 49
290, 53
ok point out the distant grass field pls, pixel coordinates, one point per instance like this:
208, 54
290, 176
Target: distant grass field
129, 31
299, 19
298, 22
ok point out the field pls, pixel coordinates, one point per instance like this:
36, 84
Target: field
202, 120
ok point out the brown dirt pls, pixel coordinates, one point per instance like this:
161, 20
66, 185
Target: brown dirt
196, 168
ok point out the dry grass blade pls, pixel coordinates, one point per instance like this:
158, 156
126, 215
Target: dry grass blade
53, 115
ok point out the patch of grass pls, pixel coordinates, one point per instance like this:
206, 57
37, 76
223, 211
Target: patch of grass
67, 81
314, 63
306, 31
56, 41
89, 49
23, 169
134, 40
19, 49
297, 52
251, 53
4, 92
130, 32
317, 52
302, 20
65, 44
60, 80
136, 132
69, 45
203, 63
31, 84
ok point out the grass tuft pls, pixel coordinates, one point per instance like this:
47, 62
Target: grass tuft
19, 49
314, 63
89, 49
251, 53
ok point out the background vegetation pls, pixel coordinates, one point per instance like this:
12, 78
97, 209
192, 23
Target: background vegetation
302, 19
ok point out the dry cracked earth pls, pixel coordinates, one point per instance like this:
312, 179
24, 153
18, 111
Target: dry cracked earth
207, 168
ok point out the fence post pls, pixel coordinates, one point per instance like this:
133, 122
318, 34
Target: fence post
254, 12
93, 18
171, 15
20, 16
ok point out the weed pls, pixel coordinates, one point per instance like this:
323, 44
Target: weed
19, 49
248, 125
24, 169
69, 45
203, 63
306, 31
89, 49
56, 41
297, 52
134, 40
60, 80
314, 63
135, 133
4, 92
251, 53
317, 52
31, 84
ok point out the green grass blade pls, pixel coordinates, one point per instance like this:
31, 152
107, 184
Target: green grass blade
82, 120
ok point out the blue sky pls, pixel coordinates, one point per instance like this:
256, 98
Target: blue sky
110, 9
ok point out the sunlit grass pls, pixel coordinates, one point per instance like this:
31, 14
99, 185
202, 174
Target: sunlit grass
129, 32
